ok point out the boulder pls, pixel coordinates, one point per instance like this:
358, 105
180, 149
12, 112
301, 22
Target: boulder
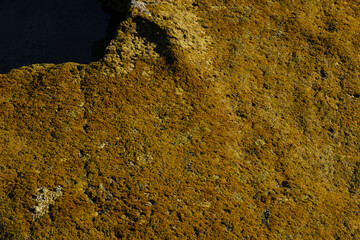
204, 120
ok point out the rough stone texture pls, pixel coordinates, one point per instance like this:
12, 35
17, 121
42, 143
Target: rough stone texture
205, 120
45, 198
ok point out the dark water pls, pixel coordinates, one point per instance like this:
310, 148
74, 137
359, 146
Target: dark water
51, 31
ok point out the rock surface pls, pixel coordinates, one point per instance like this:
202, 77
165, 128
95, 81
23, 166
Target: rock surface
204, 120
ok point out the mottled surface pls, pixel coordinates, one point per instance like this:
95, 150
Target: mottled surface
204, 120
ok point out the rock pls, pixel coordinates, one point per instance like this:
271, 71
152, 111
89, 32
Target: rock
204, 120
45, 198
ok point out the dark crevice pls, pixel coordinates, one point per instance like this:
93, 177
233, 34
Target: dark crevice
285, 184
323, 73
57, 31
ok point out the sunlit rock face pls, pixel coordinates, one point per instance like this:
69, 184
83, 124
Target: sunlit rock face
203, 120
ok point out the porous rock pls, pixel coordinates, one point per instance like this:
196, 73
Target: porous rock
204, 120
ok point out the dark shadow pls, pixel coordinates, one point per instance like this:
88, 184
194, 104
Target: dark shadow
154, 34
53, 31
99, 46
117, 14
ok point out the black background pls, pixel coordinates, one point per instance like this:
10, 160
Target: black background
49, 31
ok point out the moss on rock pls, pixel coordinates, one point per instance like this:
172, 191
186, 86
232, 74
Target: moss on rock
204, 120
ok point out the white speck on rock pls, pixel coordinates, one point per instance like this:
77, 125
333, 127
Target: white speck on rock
141, 6
44, 199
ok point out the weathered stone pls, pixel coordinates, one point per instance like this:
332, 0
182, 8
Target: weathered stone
204, 120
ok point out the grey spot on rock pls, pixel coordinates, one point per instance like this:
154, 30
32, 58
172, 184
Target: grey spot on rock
44, 199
